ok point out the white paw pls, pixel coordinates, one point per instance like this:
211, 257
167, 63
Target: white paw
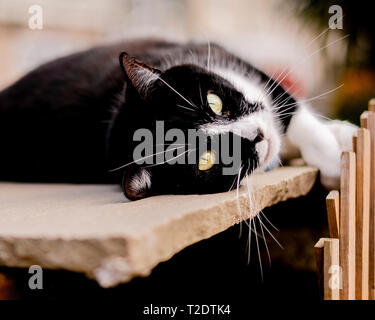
343, 132
330, 182
321, 143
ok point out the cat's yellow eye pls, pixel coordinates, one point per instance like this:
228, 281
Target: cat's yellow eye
206, 160
214, 102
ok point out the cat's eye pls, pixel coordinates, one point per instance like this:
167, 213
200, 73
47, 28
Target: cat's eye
206, 160
214, 102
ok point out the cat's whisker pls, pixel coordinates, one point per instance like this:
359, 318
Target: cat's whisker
281, 118
308, 57
286, 115
181, 106
261, 226
273, 237
238, 198
172, 143
234, 181
282, 112
252, 220
307, 46
287, 91
238, 193
200, 94
166, 161
286, 68
264, 238
316, 97
143, 158
324, 117
270, 223
175, 91
279, 97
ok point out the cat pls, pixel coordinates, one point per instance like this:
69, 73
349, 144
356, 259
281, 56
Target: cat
74, 119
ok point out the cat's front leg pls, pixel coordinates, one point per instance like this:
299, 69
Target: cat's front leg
320, 143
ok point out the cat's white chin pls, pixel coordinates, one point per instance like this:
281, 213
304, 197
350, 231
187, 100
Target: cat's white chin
263, 149
269, 148
266, 150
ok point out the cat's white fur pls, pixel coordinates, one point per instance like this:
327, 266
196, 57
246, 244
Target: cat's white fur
141, 181
248, 126
320, 142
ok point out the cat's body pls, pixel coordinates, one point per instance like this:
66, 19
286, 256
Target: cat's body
54, 121
72, 119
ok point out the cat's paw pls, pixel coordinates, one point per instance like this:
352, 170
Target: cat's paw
330, 182
321, 143
343, 132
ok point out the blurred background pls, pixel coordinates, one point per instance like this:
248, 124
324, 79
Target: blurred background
274, 35
333, 67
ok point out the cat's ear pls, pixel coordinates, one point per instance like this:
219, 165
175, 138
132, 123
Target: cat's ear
140, 74
136, 183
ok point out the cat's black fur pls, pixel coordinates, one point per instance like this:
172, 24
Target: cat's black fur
73, 119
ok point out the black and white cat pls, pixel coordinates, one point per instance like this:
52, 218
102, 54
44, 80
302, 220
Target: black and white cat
73, 119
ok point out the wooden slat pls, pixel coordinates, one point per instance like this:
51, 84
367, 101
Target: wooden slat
361, 146
319, 259
328, 268
332, 275
347, 225
333, 213
371, 105
355, 138
368, 121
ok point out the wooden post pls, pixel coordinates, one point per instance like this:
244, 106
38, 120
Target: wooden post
371, 105
347, 225
319, 259
368, 121
333, 213
328, 268
361, 146
332, 271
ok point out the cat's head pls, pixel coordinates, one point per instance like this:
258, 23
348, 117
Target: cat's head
221, 106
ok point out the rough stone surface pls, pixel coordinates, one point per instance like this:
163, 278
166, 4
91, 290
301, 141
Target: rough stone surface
94, 230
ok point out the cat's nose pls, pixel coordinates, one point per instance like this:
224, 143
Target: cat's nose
259, 137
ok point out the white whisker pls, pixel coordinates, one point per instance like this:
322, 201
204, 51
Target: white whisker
143, 158
264, 238
316, 97
181, 106
252, 220
166, 161
174, 90
308, 57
